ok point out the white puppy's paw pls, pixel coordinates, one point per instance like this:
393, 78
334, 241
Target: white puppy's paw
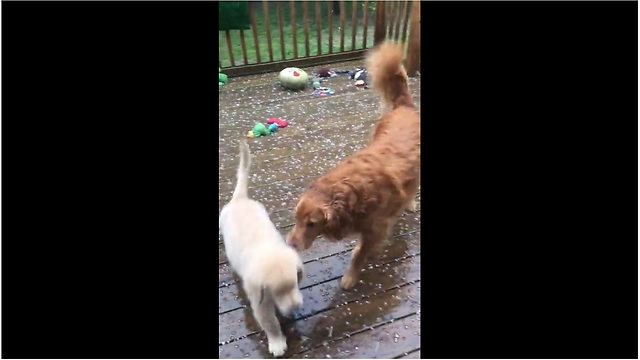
278, 346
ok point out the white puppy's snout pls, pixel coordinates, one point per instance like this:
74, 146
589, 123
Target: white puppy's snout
291, 304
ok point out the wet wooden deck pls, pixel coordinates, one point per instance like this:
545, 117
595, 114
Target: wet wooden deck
380, 317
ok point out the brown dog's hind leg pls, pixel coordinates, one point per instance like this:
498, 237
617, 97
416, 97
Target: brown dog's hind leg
367, 244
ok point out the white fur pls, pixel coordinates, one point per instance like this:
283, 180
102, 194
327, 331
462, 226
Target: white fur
257, 252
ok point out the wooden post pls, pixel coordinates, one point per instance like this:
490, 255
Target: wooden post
413, 53
380, 29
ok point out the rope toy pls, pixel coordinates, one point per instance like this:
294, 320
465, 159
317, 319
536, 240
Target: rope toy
323, 91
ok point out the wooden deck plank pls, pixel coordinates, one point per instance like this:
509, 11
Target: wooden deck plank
331, 268
383, 342
327, 295
414, 354
342, 319
364, 321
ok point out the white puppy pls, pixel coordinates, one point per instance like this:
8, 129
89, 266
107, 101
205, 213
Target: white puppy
256, 251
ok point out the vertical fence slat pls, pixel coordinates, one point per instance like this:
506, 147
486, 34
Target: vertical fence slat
379, 30
387, 19
305, 16
319, 27
406, 22
330, 12
254, 27
343, 23
354, 24
393, 10
413, 56
365, 17
388, 15
401, 10
244, 48
294, 30
399, 18
279, 10
229, 47
265, 9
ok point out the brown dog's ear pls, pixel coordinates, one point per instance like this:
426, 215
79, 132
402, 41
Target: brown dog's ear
331, 220
337, 216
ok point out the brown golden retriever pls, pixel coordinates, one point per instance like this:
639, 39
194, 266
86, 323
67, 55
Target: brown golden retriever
365, 193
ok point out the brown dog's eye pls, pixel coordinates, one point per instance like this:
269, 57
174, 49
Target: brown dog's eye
310, 224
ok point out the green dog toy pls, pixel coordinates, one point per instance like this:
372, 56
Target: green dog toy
222, 78
260, 129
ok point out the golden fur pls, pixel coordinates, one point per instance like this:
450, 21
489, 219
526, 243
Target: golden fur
366, 192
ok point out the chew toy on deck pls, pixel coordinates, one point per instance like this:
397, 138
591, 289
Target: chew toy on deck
260, 129
278, 122
222, 78
293, 78
263, 130
323, 91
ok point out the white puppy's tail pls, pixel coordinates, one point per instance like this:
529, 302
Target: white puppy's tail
243, 172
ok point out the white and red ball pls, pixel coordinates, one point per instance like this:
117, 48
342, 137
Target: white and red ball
293, 78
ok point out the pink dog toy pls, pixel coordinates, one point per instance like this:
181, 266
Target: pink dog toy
279, 122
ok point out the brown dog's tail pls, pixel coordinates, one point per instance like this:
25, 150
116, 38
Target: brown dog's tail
388, 77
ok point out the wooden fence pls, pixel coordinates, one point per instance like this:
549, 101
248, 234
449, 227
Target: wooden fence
277, 40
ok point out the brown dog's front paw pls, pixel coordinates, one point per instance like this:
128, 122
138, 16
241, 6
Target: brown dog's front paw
348, 281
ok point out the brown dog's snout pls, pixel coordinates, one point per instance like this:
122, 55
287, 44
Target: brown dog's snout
295, 240
290, 241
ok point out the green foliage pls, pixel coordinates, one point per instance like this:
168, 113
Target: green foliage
233, 15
